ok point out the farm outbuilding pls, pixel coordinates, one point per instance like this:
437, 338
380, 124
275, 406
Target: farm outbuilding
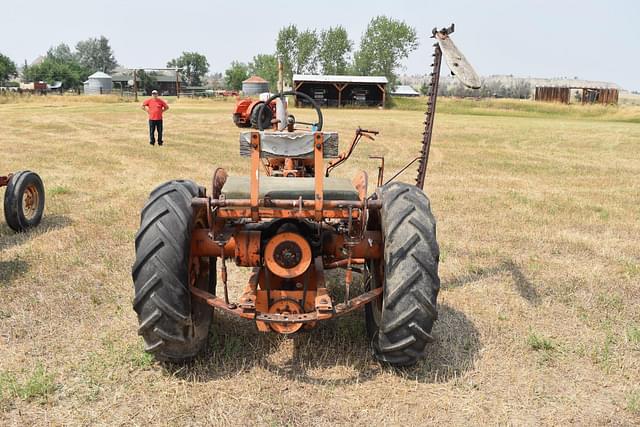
98, 83
340, 91
587, 95
405, 90
168, 82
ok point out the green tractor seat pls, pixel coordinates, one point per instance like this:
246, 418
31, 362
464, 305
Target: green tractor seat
239, 187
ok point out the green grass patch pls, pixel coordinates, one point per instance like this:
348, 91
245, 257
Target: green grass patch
59, 190
540, 343
633, 334
38, 385
633, 402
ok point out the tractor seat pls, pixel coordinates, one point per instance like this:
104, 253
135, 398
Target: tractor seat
289, 188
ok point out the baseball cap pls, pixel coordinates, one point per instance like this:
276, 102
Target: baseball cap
154, 91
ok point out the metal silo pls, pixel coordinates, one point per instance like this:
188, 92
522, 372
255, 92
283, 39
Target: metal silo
98, 83
255, 85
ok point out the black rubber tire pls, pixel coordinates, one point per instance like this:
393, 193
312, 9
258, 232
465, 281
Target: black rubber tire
400, 325
267, 116
14, 209
174, 325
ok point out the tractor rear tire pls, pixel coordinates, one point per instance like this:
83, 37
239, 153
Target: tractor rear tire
399, 325
174, 324
24, 201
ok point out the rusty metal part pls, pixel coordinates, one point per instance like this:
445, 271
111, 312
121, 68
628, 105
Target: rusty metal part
343, 263
287, 255
380, 169
282, 309
255, 174
202, 244
247, 248
344, 156
248, 298
4, 180
318, 158
285, 203
361, 183
217, 182
30, 202
255, 307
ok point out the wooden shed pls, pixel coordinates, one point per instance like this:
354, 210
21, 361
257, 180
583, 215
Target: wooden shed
589, 95
340, 91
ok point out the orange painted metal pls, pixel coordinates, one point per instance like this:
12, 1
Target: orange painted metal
247, 248
318, 157
202, 244
255, 174
274, 252
285, 203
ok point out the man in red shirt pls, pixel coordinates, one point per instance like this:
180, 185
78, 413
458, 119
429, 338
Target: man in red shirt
155, 107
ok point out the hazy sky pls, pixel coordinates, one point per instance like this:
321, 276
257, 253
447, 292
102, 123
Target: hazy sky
596, 40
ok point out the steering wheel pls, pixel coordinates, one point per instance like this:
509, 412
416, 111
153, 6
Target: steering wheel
290, 118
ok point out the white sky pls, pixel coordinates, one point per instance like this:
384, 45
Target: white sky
595, 40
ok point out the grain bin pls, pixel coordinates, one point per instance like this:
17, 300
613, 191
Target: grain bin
254, 85
98, 83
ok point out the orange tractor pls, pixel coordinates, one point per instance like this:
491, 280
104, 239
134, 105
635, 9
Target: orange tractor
23, 199
290, 221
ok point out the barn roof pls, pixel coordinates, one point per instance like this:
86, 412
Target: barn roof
339, 79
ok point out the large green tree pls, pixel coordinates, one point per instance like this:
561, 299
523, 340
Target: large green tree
287, 49
385, 43
61, 53
298, 50
7, 68
95, 54
194, 67
71, 74
235, 75
306, 52
334, 48
265, 66
60, 64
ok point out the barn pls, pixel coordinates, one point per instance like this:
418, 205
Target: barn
342, 91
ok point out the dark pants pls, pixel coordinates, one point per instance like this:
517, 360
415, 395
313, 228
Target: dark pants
153, 125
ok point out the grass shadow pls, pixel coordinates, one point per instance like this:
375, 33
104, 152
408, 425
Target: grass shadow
524, 286
9, 238
10, 270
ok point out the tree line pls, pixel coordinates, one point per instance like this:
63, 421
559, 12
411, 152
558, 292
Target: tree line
73, 66
385, 43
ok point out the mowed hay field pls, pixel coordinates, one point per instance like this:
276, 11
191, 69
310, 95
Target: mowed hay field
538, 210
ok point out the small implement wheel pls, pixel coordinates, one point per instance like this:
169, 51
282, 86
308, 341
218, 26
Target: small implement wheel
399, 324
174, 325
24, 201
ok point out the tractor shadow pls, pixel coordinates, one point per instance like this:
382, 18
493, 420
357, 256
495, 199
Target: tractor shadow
10, 238
524, 286
337, 352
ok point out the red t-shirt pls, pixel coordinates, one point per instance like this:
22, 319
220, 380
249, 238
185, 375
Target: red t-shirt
155, 107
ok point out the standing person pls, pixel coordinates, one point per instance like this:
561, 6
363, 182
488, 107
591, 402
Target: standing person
155, 106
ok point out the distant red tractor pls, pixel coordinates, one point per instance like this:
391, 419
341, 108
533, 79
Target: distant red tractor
245, 114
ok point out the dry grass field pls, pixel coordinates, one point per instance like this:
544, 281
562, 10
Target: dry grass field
538, 210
